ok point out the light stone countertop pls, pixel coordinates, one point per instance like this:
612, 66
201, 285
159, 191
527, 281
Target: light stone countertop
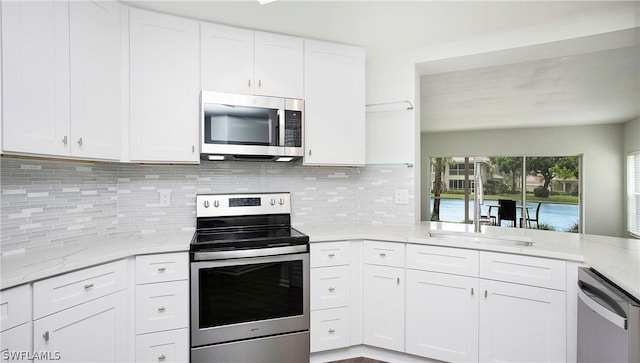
24, 267
616, 258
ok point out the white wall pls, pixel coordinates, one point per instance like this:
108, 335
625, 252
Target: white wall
632, 136
602, 171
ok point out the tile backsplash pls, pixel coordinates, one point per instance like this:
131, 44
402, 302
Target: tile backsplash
48, 202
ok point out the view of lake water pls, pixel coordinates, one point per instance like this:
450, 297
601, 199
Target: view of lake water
559, 216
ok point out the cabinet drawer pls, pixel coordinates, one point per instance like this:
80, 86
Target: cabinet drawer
166, 346
162, 267
330, 287
442, 259
64, 291
162, 306
15, 306
384, 253
525, 270
330, 254
329, 329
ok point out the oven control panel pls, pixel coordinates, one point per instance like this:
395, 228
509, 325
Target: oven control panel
222, 205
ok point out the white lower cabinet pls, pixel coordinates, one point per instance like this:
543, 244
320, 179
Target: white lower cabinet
521, 323
162, 308
164, 346
442, 316
383, 304
94, 331
330, 329
15, 343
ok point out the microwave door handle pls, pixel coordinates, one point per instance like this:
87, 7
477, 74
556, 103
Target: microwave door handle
281, 123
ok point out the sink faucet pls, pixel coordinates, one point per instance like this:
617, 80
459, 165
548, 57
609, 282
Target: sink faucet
478, 200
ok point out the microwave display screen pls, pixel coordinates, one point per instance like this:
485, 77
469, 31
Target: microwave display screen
240, 125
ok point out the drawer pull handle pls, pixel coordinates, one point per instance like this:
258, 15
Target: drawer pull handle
382, 254
162, 269
332, 255
485, 294
162, 357
88, 286
332, 289
162, 309
46, 336
331, 331
472, 291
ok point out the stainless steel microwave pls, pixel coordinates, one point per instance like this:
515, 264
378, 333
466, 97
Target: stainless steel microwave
244, 127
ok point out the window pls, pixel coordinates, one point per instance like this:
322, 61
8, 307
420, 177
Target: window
633, 194
551, 186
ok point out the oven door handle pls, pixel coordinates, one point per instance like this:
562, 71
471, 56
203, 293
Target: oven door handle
223, 255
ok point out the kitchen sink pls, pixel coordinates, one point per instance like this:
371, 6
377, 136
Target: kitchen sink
509, 241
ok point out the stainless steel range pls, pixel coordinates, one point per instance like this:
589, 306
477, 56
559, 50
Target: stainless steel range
249, 281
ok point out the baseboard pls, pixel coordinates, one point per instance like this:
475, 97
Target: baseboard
368, 352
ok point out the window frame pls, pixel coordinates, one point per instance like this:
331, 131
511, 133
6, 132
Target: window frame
633, 194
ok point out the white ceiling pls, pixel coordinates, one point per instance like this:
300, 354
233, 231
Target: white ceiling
542, 88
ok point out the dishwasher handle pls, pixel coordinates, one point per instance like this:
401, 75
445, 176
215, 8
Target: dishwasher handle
617, 320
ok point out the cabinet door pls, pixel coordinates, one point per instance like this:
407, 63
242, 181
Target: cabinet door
334, 90
95, 79
278, 65
35, 70
165, 346
330, 287
15, 343
442, 316
164, 88
95, 331
521, 323
383, 301
226, 59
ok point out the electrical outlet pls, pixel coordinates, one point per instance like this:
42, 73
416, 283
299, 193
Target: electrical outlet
165, 198
402, 196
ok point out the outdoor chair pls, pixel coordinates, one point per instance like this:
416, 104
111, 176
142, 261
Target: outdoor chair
536, 219
507, 211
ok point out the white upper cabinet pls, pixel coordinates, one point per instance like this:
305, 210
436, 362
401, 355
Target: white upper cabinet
334, 89
243, 61
164, 89
61, 83
278, 65
226, 59
35, 67
95, 79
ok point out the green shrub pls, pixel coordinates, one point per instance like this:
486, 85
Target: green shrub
546, 227
574, 228
541, 192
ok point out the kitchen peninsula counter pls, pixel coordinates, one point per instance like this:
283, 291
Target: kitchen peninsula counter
618, 259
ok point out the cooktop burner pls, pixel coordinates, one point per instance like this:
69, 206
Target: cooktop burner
244, 221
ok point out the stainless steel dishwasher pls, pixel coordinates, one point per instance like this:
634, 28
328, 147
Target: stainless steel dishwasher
608, 321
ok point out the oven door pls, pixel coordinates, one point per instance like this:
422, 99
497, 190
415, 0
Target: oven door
246, 298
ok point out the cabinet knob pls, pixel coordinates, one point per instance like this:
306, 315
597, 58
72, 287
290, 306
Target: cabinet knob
65, 140
259, 83
162, 269
249, 83
162, 309
309, 152
80, 142
332, 255
88, 286
332, 289
382, 254
331, 331
162, 357
46, 336
485, 294
472, 291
